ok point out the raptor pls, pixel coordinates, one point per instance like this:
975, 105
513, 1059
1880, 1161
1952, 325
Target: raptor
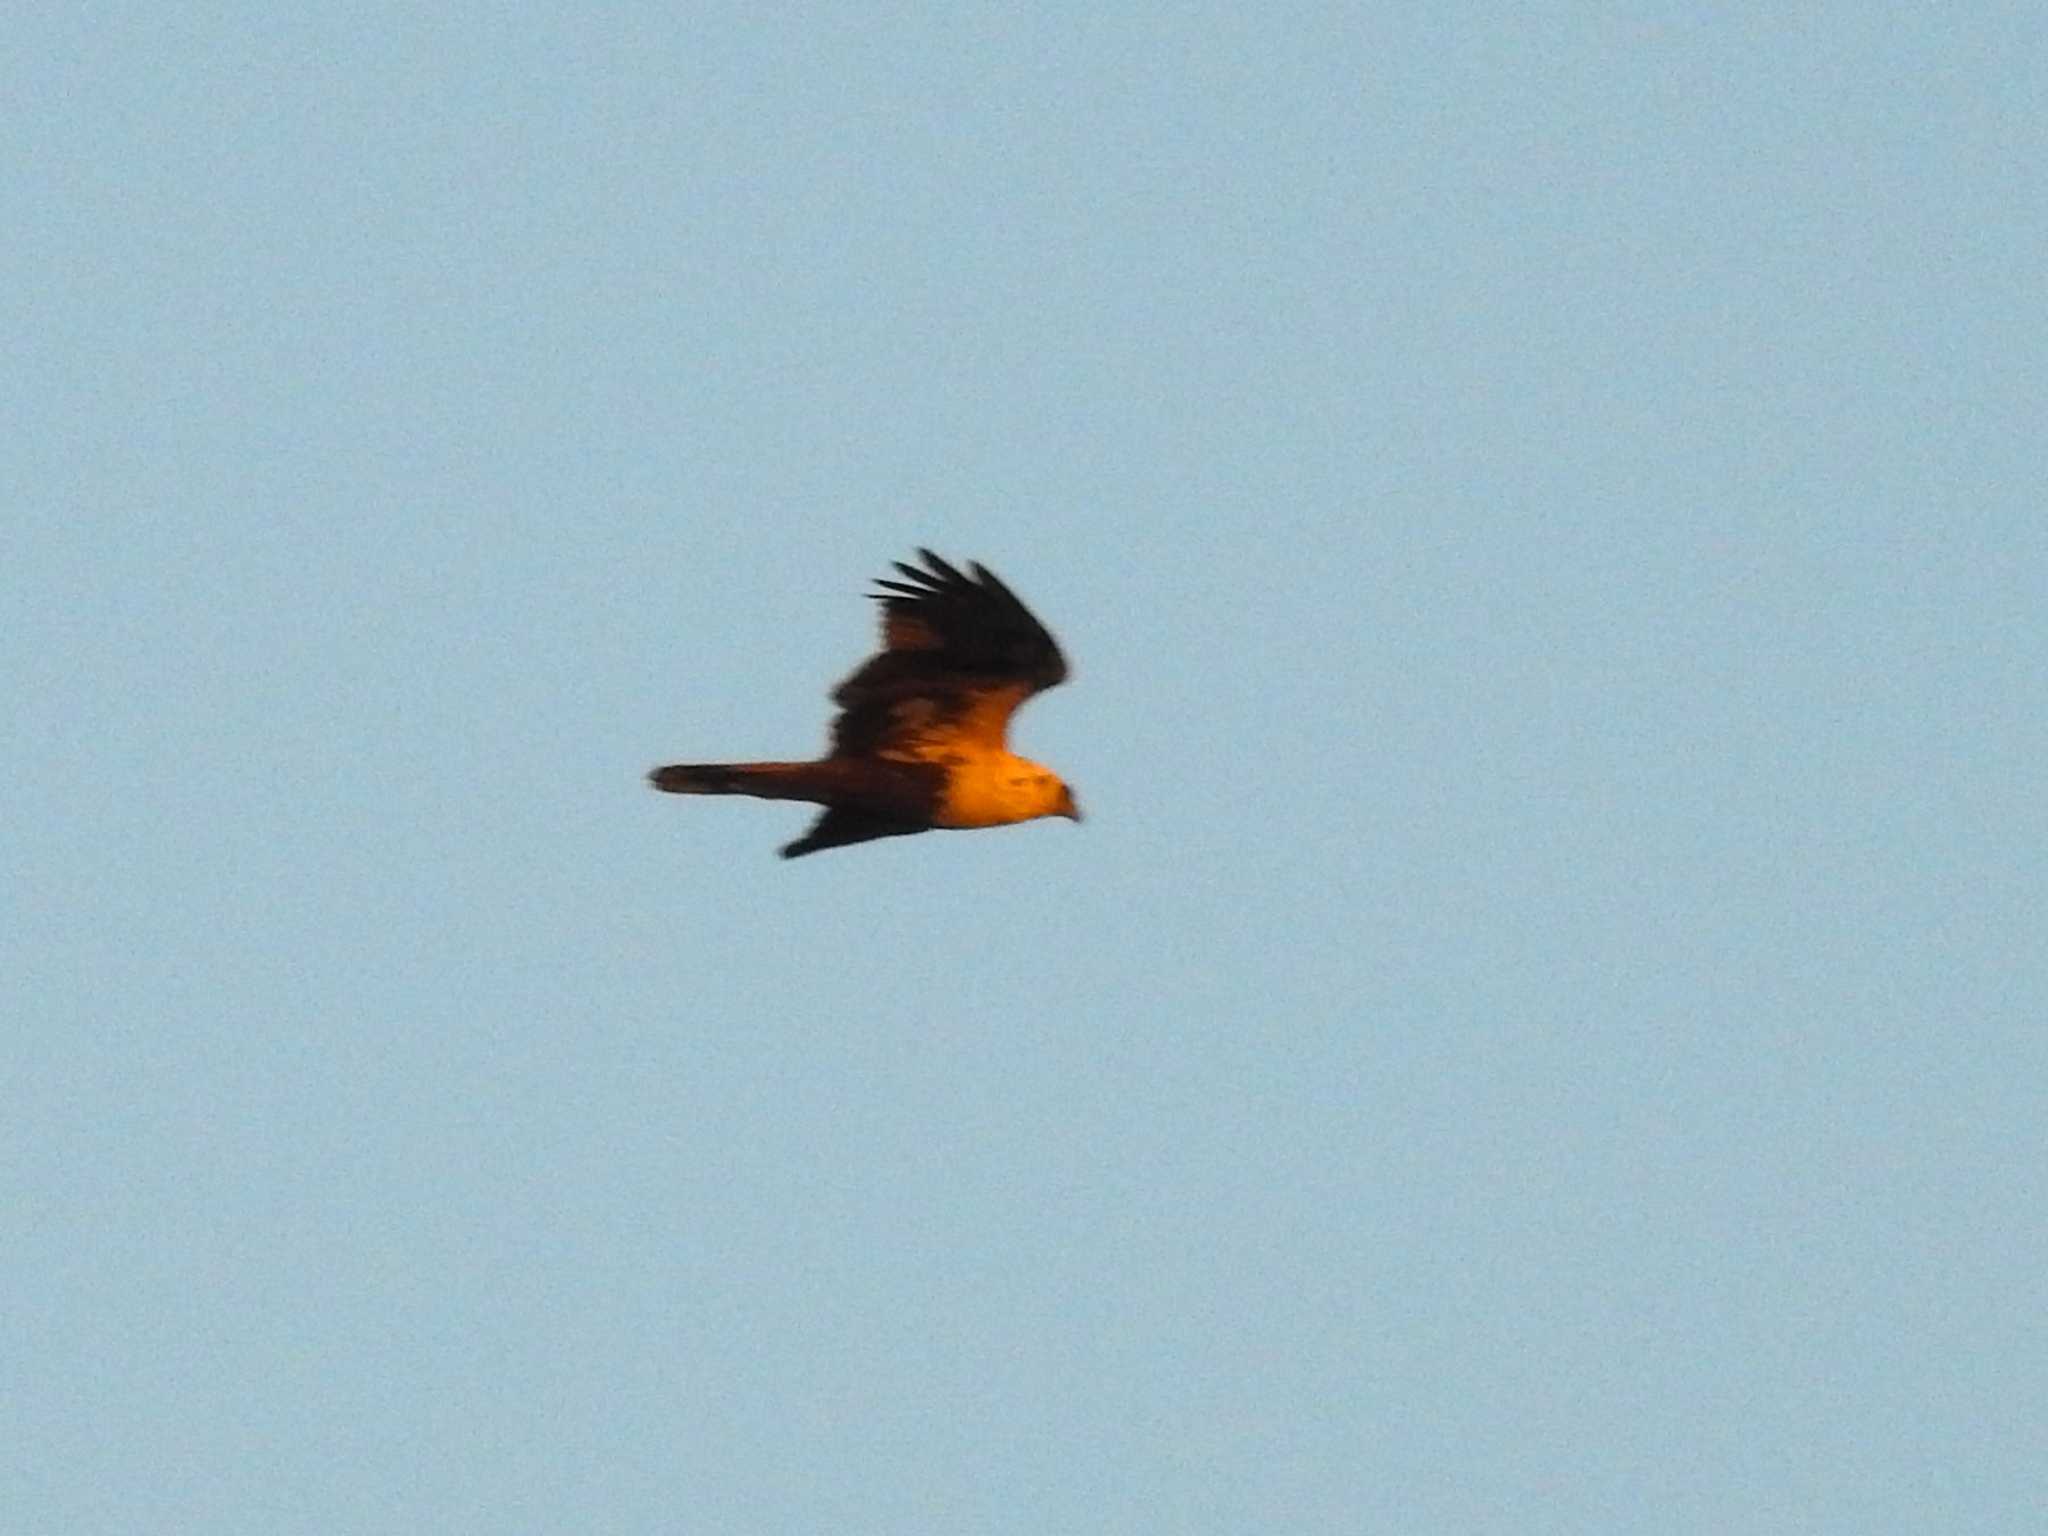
920, 742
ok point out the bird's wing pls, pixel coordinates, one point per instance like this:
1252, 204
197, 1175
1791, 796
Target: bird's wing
841, 825
960, 652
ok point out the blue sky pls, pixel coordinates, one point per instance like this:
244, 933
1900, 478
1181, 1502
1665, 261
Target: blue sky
1542, 1030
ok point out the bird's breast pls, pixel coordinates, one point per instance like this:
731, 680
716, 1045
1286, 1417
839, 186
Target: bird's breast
976, 794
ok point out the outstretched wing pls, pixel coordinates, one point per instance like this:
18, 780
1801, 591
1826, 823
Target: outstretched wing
960, 652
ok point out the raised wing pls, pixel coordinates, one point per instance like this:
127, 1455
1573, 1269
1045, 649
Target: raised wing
960, 652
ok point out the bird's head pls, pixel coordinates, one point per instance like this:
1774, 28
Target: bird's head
1040, 792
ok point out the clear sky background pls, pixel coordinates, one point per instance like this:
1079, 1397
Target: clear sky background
1543, 1028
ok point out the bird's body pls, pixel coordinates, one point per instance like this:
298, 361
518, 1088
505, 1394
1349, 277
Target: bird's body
919, 743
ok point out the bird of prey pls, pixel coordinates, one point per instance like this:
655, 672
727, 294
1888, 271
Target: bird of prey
919, 739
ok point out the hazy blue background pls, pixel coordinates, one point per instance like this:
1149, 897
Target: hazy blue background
1543, 1029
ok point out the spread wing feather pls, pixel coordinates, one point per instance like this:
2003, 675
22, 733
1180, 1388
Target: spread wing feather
960, 652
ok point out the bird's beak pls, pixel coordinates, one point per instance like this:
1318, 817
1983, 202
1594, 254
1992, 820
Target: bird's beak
1068, 809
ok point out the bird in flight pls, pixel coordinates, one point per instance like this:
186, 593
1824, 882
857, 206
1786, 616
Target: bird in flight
919, 742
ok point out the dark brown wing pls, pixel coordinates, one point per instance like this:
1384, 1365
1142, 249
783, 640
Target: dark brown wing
960, 652
840, 826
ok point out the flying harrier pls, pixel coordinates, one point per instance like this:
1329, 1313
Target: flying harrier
919, 739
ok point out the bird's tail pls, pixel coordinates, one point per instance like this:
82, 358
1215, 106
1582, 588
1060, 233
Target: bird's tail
766, 781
